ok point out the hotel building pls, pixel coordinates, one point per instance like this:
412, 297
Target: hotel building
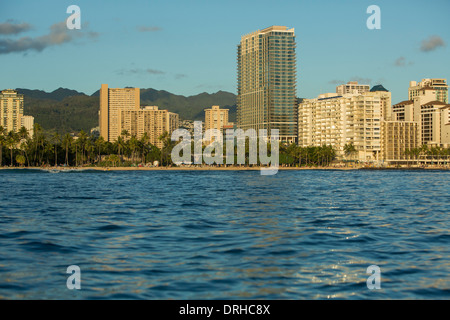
11, 110
112, 103
120, 110
150, 120
267, 82
439, 86
397, 138
432, 116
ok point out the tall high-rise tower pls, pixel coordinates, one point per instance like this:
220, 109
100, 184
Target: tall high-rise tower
112, 103
267, 82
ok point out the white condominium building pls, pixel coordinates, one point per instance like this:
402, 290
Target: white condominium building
338, 120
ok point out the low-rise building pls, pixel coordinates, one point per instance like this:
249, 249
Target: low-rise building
398, 139
28, 123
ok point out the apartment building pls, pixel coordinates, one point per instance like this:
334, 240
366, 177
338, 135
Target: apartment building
216, 118
149, 120
11, 110
337, 120
267, 82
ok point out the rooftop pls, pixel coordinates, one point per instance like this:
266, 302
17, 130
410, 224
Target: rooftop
435, 103
378, 87
406, 102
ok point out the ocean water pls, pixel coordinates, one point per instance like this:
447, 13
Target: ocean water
225, 234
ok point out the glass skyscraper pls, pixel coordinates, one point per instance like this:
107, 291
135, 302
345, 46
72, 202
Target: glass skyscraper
267, 82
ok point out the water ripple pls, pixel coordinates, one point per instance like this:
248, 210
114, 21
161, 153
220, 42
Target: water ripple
224, 235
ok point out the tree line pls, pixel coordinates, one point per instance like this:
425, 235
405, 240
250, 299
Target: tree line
430, 152
20, 149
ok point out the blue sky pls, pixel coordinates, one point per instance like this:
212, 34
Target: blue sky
188, 47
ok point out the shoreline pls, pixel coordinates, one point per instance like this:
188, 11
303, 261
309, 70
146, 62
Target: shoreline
216, 168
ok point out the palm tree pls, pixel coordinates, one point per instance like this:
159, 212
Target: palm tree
90, 149
20, 159
133, 144
165, 139
82, 141
125, 134
23, 133
67, 141
25, 145
114, 158
145, 141
38, 144
423, 150
12, 140
2, 142
349, 149
299, 154
100, 143
120, 143
56, 140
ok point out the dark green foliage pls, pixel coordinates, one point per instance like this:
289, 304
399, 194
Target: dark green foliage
72, 114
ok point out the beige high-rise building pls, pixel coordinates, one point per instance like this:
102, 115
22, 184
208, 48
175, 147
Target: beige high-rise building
352, 87
439, 86
11, 110
149, 120
267, 82
435, 124
112, 102
386, 104
339, 120
431, 115
28, 123
216, 118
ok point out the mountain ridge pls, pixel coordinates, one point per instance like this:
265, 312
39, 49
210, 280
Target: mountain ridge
65, 110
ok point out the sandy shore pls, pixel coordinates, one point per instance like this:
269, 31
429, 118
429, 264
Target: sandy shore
208, 168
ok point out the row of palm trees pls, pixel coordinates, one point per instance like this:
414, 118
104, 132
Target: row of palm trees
42, 149
433, 152
10, 141
295, 155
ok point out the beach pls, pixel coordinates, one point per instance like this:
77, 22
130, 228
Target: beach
212, 168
